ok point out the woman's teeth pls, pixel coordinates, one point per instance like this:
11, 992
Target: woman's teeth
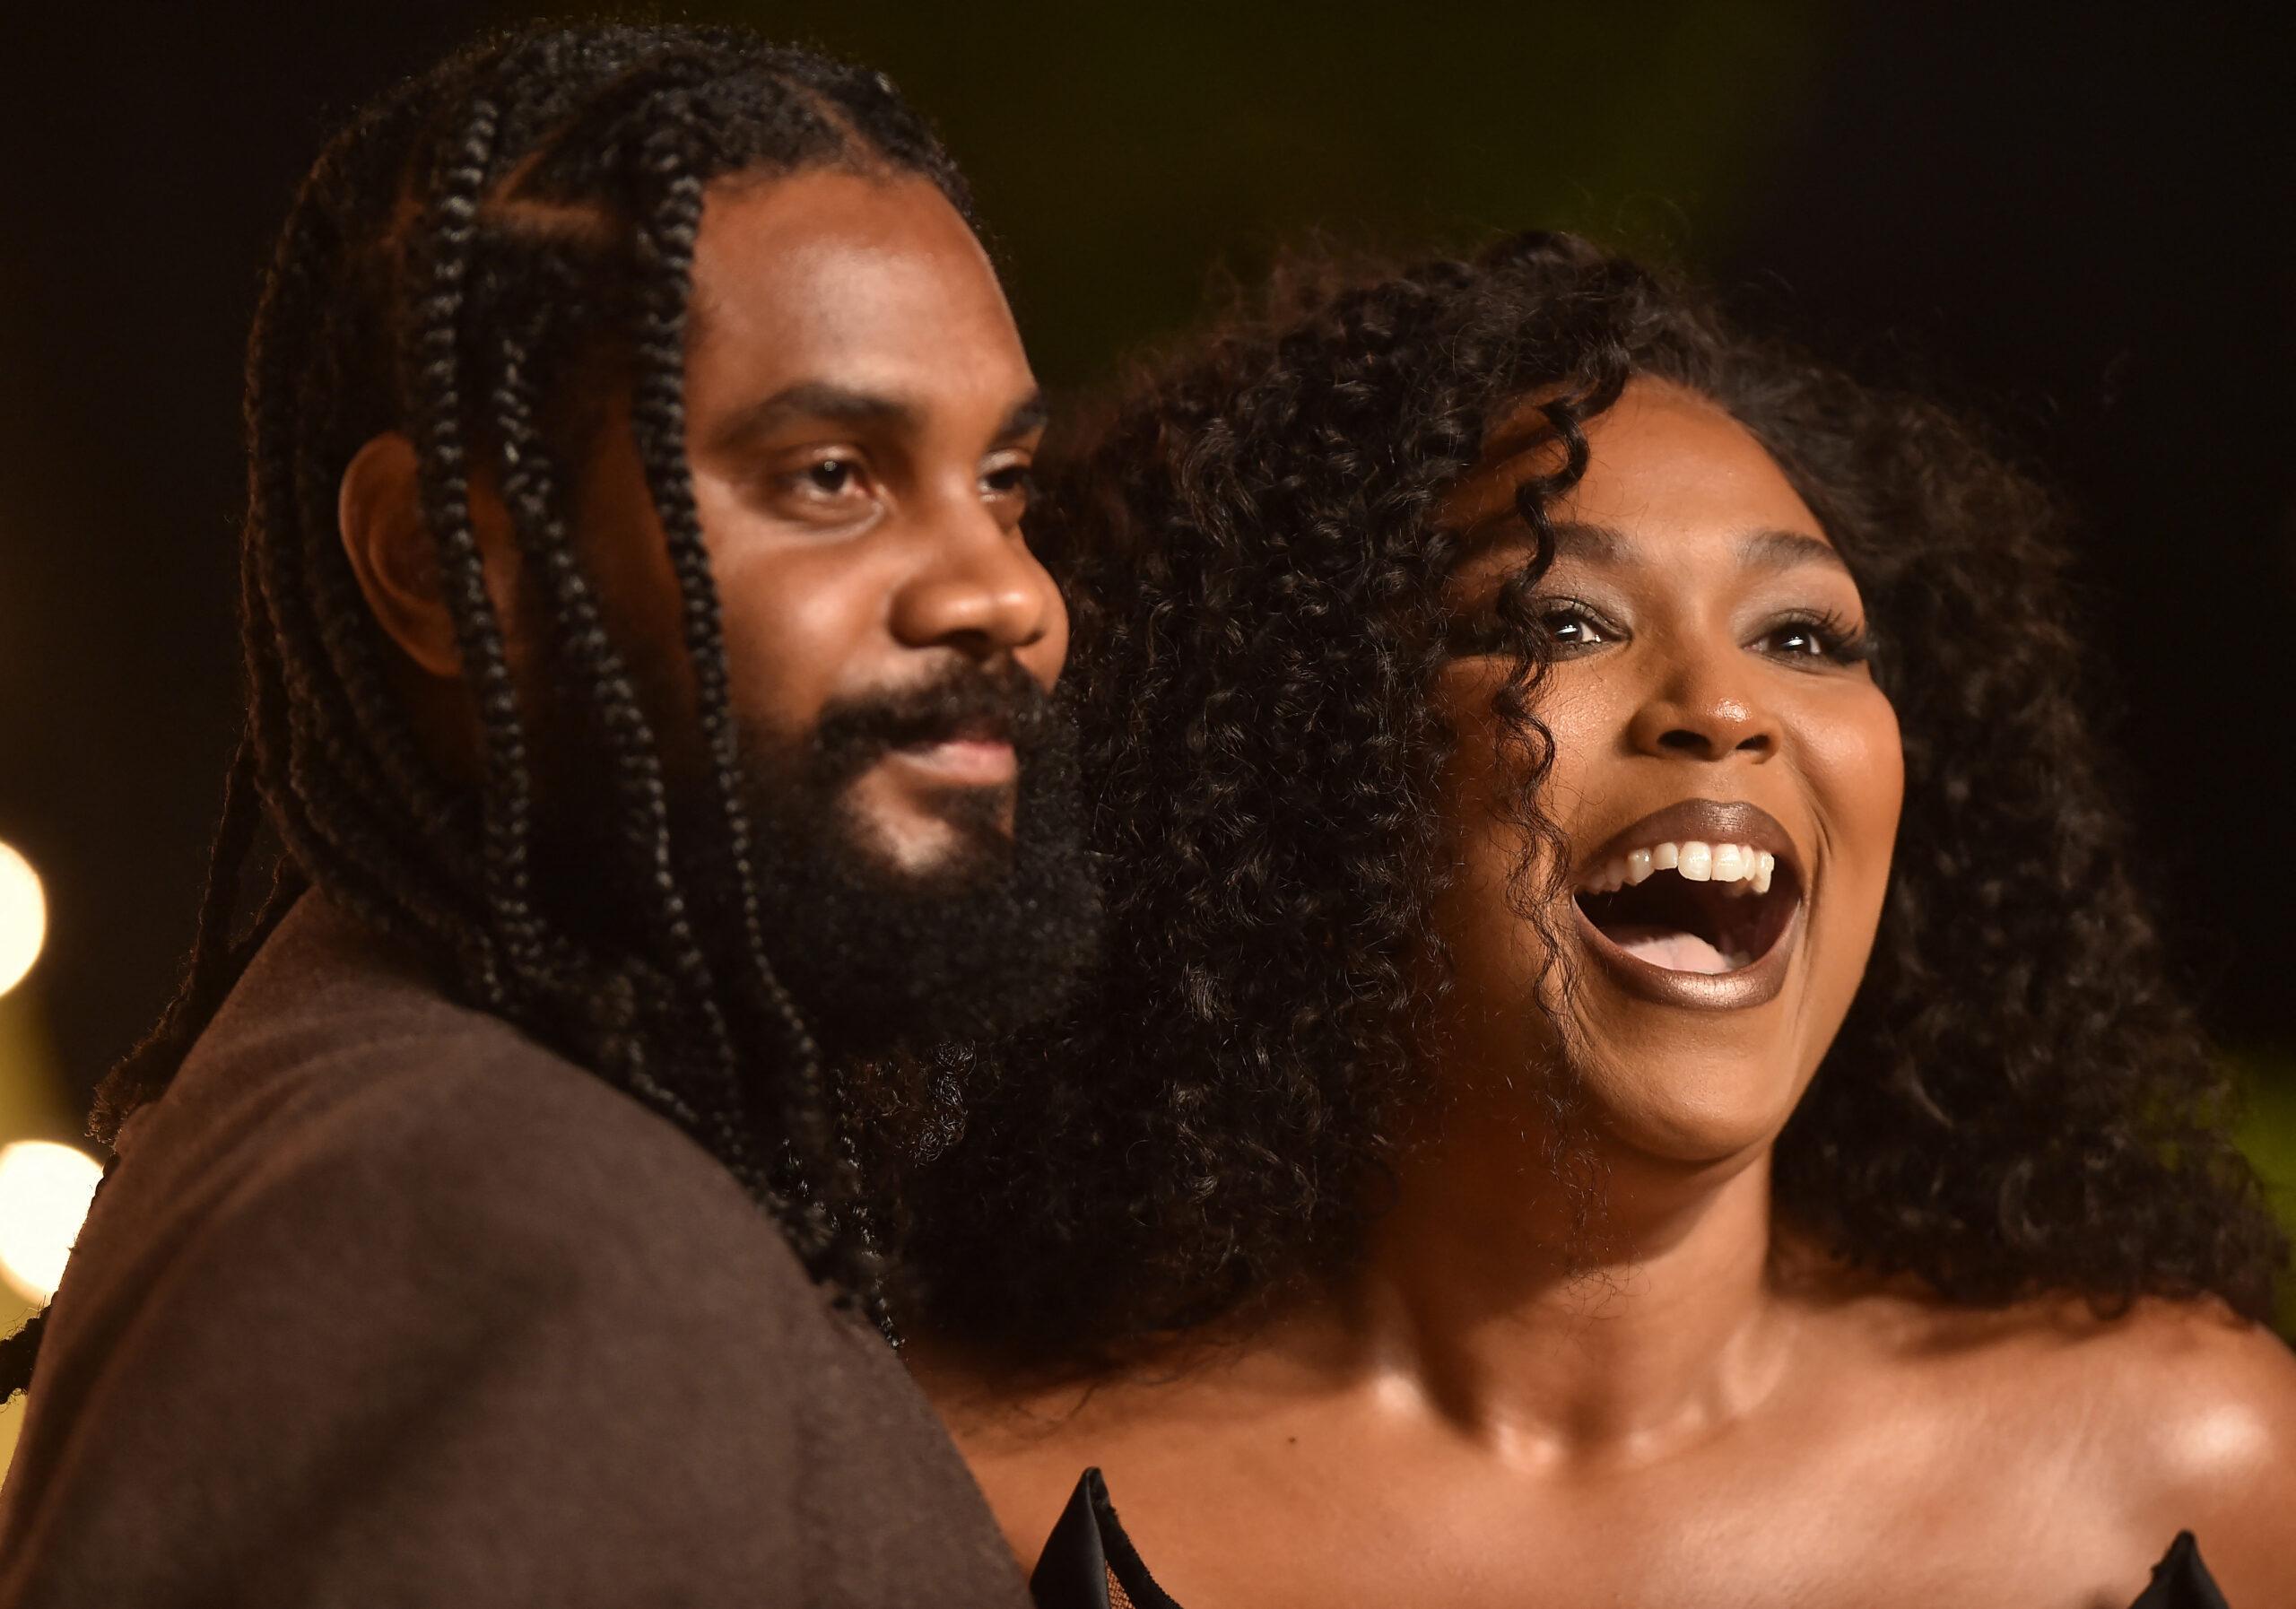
1741, 864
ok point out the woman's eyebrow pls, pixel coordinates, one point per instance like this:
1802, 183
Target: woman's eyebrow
1788, 550
1592, 543
1610, 547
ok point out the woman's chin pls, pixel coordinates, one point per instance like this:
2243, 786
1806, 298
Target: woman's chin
1694, 1112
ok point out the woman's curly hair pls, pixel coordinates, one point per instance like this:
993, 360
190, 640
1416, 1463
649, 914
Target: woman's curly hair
2017, 1102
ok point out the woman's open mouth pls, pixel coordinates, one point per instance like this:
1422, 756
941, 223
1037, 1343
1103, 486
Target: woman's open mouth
1705, 920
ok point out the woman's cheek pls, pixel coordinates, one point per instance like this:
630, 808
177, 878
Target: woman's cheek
1860, 757
1854, 761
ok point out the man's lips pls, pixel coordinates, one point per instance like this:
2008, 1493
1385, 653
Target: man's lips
963, 761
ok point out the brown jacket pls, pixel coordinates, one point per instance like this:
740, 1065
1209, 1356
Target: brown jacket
387, 1304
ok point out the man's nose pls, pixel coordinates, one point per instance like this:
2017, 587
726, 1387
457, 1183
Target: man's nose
977, 590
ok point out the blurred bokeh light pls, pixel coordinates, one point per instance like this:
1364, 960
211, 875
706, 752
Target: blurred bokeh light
44, 1188
23, 917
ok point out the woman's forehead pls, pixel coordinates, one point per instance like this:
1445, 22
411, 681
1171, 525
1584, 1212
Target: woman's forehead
1663, 463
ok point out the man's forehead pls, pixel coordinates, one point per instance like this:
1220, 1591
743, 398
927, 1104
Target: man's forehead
874, 287
833, 245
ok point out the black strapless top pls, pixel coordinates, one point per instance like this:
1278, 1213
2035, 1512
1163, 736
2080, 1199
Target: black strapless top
1089, 1563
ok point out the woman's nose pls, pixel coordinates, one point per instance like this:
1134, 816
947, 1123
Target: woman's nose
1704, 709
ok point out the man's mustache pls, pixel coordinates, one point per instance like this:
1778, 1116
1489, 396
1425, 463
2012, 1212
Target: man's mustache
1001, 704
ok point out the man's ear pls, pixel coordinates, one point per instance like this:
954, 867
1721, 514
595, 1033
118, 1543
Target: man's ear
379, 509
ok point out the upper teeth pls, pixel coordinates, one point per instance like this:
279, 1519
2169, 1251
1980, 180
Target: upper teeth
1698, 862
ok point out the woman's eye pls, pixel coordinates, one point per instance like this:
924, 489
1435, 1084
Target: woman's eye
1572, 628
1556, 627
1840, 641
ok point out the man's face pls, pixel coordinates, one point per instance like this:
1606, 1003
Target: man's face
860, 424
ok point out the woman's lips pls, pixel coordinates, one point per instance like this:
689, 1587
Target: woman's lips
1754, 984
1680, 907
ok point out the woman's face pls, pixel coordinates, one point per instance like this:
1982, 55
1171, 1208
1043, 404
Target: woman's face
1725, 772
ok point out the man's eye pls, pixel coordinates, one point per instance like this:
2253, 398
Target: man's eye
832, 477
1014, 480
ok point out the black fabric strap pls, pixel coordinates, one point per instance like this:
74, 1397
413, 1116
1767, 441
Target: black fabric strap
1084, 1549
2181, 1581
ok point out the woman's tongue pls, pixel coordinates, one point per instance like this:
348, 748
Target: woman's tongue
1669, 947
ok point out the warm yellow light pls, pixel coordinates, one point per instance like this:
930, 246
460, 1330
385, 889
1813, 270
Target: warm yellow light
45, 1189
23, 917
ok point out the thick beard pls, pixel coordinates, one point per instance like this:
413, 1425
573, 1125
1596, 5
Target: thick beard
884, 960
884, 964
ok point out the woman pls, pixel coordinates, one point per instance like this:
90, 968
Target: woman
1629, 1068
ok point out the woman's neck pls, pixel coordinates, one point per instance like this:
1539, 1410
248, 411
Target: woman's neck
1614, 1321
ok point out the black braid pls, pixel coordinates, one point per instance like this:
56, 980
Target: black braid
580, 640
18, 1352
409, 292
209, 972
508, 797
666, 254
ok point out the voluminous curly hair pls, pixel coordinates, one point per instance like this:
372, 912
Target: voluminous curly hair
1254, 550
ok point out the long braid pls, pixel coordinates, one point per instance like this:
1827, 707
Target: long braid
665, 255
394, 256
18, 1353
507, 798
530, 490
354, 804
208, 974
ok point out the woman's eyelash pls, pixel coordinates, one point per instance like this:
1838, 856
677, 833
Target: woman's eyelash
1485, 632
1557, 615
1839, 638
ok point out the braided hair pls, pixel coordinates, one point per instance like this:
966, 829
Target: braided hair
455, 258
1255, 548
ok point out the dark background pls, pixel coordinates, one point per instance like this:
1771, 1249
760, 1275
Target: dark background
2076, 232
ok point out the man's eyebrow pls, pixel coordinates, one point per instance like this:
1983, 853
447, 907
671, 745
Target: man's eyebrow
1029, 415
812, 400
1788, 550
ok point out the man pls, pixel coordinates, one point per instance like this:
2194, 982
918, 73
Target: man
649, 697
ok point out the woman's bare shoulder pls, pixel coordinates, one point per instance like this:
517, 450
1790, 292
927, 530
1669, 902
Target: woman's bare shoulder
2208, 1397
2194, 1417
2166, 1416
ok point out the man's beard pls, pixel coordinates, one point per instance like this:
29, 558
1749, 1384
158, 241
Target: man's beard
992, 937
883, 963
